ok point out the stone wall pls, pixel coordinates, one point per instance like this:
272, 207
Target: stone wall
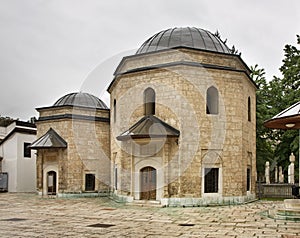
88, 149
180, 55
181, 102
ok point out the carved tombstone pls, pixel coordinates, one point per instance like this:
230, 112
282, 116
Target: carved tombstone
267, 172
281, 176
291, 170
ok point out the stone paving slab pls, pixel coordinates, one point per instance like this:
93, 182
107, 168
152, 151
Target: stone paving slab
29, 215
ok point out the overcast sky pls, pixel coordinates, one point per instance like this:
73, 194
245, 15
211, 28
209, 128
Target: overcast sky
49, 48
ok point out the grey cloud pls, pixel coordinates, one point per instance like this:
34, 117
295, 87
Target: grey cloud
50, 48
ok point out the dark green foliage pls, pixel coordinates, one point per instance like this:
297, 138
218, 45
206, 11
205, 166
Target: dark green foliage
273, 97
264, 145
290, 91
5, 121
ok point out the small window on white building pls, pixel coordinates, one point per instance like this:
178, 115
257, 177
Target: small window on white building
90, 182
212, 100
27, 151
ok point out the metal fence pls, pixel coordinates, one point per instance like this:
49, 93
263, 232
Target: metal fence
276, 190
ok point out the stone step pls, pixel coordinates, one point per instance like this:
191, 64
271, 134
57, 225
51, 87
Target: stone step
146, 203
288, 212
292, 204
284, 214
284, 217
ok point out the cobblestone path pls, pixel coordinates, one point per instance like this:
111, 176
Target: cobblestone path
28, 215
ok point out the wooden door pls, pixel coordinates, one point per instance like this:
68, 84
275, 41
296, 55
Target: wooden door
148, 183
51, 182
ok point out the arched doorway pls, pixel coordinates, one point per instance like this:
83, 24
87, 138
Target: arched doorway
51, 183
148, 183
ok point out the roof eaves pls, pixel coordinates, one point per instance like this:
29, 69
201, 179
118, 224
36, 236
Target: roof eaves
49, 135
172, 132
30, 131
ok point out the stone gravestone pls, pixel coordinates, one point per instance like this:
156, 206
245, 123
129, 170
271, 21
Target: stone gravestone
291, 170
276, 174
281, 176
267, 172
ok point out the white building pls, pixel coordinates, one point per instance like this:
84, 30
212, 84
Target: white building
16, 159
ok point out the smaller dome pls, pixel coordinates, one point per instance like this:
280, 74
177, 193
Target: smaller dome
80, 99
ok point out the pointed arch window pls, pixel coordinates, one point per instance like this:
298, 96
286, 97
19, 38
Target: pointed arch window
212, 100
249, 109
149, 102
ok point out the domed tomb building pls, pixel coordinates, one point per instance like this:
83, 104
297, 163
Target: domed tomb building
180, 131
183, 122
73, 146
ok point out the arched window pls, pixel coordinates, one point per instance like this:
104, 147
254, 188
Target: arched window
149, 101
212, 100
249, 109
115, 110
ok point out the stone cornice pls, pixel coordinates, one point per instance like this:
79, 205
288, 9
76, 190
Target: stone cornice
181, 63
74, 117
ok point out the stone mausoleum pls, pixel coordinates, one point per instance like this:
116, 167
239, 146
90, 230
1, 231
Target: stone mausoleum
180, 129
73, 146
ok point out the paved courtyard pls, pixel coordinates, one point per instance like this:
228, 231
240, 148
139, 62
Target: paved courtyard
28, 215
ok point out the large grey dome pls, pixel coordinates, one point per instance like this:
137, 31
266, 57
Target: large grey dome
80, 99
190, 37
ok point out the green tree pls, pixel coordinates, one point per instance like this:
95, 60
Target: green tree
291, 73
273, 97
264, 146
5, 121
289, 86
